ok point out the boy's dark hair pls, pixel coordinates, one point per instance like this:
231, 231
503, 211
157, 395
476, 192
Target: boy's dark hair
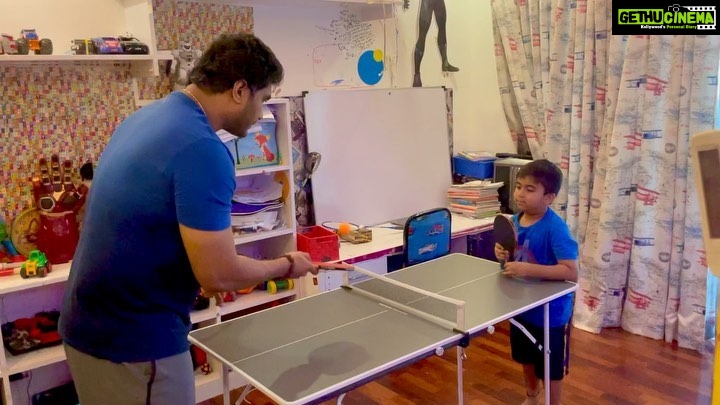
233, 57
544, 172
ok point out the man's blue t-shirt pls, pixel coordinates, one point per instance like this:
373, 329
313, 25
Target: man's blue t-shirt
131, 287
546, 242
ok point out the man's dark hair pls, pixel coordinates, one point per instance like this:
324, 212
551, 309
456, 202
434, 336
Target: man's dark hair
233, 57
544, 172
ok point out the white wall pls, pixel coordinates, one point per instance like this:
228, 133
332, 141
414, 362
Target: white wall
294, 32
318, 43
479, 119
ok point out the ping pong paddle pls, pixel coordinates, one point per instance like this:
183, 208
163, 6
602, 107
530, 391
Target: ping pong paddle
505, 234
334, 266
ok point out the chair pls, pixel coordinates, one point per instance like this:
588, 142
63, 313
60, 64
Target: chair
426, 236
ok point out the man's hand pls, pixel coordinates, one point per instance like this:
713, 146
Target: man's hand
210, 295
517, 269
301, 265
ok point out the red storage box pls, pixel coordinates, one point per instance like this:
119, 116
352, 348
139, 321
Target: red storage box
322, 244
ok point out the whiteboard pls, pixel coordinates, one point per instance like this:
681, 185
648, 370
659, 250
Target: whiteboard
385, 153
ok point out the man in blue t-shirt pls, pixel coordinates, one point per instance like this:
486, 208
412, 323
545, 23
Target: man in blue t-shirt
157, 228
545, 250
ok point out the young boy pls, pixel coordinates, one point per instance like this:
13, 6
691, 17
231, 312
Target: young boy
545, 250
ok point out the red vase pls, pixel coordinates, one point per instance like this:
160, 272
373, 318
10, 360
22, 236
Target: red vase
58, 236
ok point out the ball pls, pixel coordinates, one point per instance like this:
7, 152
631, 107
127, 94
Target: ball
343, 229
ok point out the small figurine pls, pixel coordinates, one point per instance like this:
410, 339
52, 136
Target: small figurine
184, 59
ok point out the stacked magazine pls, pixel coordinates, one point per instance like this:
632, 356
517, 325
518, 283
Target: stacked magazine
475, 199
257, 204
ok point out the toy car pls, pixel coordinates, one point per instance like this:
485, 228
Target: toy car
30, 41
132, 45
7, 45
105, 45
82, 47
36, 265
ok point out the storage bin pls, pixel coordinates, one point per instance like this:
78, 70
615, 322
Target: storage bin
322, 244
481, 169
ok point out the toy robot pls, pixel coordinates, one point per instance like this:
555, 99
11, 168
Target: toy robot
184, 59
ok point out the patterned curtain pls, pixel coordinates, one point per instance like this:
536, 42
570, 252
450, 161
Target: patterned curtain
615, 113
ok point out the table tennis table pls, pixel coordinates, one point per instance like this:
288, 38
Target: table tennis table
319, 347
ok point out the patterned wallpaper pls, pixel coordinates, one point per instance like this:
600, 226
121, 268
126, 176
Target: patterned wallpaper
197, 23
72, 110
67, 110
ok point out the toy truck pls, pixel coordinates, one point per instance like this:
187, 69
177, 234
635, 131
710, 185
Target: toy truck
30, 41
36, 265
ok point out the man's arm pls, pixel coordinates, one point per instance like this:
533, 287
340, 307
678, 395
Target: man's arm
217, 266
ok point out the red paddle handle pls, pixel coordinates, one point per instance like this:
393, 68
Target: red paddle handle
334, 266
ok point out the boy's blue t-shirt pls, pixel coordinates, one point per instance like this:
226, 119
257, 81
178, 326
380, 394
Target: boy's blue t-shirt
131, 287
546, 242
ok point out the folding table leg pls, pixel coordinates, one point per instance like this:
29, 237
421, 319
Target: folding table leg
460, 356
245, 392
226, 384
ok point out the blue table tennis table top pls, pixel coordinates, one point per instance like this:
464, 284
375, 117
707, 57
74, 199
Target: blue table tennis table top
316, 347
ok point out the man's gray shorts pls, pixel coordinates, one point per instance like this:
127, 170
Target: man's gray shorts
169, 380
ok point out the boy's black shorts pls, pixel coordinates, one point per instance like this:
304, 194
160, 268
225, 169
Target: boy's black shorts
525, 352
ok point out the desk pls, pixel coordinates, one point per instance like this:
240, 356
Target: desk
318, 347
387, 239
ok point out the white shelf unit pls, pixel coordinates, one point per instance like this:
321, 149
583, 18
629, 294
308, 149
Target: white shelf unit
10, 364
261, 244
62, 23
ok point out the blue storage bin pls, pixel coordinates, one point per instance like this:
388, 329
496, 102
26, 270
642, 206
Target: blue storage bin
481, 169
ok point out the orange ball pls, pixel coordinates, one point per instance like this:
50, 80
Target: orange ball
343, 228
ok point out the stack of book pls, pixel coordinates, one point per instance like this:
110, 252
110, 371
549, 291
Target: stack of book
475, 199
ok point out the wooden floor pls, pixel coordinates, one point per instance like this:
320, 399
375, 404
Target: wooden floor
615, 367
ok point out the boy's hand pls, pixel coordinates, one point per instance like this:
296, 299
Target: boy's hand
501, 254
517, 269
